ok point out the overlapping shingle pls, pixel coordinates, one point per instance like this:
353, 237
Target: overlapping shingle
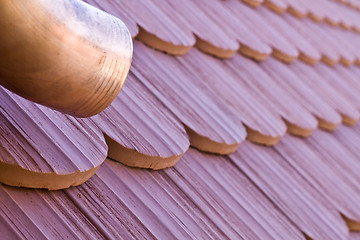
324, 89
120, 202
250, 44
300, 188
314, 166
203, 196
289, 81
155, 28
226, 86
330, 12
140, 131
210, 124
192, 23
210, 36
289, 105
332, 167
273, 96
282, 48
45, 149
307, 52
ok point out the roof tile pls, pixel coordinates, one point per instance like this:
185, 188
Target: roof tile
141, 135
274, 96
301, 188
303, 205
250, 44
184, 94
304, 26
282, 48
350, 115
120, 202
341, 80
199, 196
46, 149
210, 36
328, 118
225, 85
307, 52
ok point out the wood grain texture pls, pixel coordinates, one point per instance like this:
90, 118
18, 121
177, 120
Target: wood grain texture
325, 90
273, 96
293, 194
343, 80
210, 36
177, 203
281, 47
349, 77
335, 14
158, 30
307, 52
66, 55
333, 172
320, 11
41, 148
262, 125
328, 118
140, 131
327, 34
348, 52
329, 55
232, 25
353, 39
300, 187
151, 25
331, 12
217, 28
186, 96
